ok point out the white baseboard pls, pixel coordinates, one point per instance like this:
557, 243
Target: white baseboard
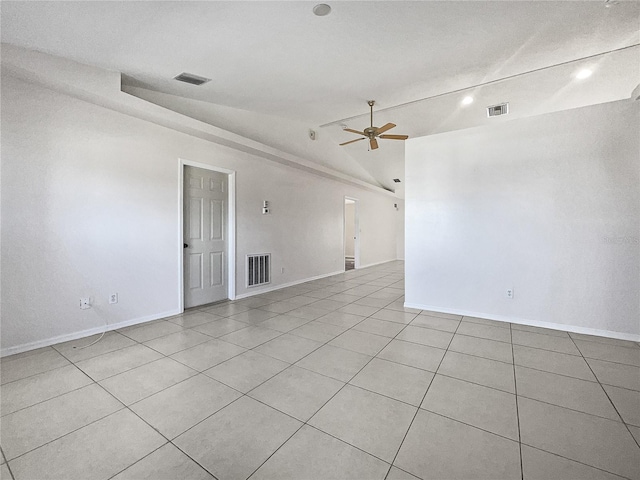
25, 347
532, 323
285, 285
374, 264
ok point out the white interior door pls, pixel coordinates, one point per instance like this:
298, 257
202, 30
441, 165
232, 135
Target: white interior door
205, 236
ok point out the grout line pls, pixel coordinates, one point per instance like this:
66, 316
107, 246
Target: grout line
576, 461
608, 397
421, 402
127, 407
515, 386
325, 403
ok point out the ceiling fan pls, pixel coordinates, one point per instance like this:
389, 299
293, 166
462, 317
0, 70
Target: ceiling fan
374, 132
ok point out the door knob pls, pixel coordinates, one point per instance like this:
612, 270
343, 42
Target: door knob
186, 245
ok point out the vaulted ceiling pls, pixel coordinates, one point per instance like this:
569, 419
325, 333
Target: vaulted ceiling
278, 70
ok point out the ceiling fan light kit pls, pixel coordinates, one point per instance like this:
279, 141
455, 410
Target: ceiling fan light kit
372, 133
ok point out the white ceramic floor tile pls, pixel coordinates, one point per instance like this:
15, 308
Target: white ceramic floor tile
284, 323
17, 367
545, 342
307, 312
482, 347
449, 316
413, 354
151, 330
288, 348
318, 331
539, 465
177, 342
250, 337
476, 405
610, 353
627, 402
181, 406
426, 336
439, 448
397, 474
314, 455
394, 316
369, 421
595, 441
4, 472
234, 442
190, 320
297, 392
486, 321
246, 371
478, 370
361, 342
361, 310
616, 374
484, 331
341, 319
77, 350
581, 395
436, 323
334, 362
543, 331
379, 327
96, 451
38, 388
113, 363
253, 316
166, 463
221, 327
560, 363
206, 355
407, 384
141, 382
34, 426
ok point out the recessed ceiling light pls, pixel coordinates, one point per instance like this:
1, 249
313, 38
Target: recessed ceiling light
584, 73
467, 100
322, 9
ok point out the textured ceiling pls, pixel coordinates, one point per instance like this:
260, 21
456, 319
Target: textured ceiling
277, 70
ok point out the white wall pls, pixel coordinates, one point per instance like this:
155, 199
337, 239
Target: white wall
548, 205
400, 213
90, 206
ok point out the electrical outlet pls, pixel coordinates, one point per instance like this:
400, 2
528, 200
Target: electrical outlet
85, 303
113, 298
509, 293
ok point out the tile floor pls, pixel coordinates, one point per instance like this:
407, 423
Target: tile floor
331, 379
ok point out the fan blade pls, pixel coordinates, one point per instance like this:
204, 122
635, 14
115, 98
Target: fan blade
395, 137
356, 140
373, 143
353, 131
384, 128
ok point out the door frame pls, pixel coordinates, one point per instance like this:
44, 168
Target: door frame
231, 226
356, 242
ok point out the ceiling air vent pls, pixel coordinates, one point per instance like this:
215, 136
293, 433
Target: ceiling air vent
191, 78
397, 180
496, 110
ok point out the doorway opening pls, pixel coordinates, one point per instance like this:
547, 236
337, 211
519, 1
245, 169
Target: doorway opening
351, 234
207, 218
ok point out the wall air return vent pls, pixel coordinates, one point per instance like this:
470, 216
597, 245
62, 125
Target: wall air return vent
258, 269
191, 78
497, 110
